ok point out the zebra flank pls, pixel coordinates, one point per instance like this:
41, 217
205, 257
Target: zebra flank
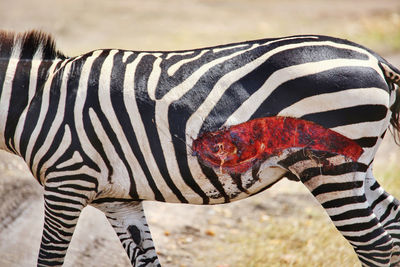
112, 128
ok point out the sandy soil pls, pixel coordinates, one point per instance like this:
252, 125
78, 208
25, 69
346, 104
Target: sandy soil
185, 235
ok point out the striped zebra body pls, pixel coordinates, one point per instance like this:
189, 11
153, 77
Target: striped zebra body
111, 128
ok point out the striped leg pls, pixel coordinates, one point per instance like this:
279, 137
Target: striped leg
129, 222
61, 212
338, 184
387, 210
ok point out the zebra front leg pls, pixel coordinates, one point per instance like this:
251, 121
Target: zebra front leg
62, 207
386, 209
129, 222
338, 184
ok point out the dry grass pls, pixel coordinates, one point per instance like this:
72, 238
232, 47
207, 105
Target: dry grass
304, 239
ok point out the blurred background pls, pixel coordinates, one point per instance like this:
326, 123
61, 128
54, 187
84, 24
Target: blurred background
283, 226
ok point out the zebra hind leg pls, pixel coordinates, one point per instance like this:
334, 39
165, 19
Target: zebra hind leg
338, 184
387, 210
129, 222
62, 207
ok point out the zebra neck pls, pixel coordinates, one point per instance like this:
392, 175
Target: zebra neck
24, 78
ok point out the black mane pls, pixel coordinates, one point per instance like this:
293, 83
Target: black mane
30, 42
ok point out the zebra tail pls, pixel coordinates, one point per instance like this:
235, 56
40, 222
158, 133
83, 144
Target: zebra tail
392, 76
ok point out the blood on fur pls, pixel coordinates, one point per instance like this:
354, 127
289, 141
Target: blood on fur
237, 148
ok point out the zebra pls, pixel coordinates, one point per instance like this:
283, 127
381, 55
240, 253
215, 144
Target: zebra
112, 128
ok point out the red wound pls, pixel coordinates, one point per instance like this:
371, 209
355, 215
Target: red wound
239, 147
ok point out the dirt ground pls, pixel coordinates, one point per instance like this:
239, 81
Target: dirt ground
185, 235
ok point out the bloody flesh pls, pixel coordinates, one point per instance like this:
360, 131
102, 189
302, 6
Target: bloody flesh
237, 148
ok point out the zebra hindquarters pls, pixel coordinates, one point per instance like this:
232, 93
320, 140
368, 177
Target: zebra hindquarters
339, 185
129, 222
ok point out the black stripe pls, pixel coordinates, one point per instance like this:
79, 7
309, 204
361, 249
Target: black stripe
304, 154
237, 180
375, 186
369, 236
215, 181
366, 141
346, 116
60, 217
326, 169
387, 212
336, 187
350, 214
381, 198
340, 202
18, 100
357, 227
51, 247
45, 260
66, 192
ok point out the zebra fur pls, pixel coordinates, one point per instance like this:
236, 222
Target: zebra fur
111, 128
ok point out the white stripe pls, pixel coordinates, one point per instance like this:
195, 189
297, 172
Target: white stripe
355, 220
337, 100
359, 130
183, 53
334, 195
371, 241
220, 49
76, 157
173, 68
345, 208
154, 78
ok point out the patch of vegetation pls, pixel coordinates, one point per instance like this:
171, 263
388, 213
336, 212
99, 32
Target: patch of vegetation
305, 239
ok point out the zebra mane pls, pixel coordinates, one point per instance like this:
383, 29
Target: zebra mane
29, 42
